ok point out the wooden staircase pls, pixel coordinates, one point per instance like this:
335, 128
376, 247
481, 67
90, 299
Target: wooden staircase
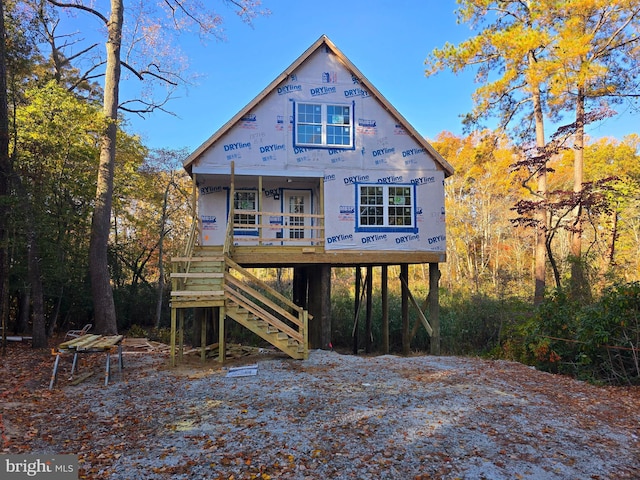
205, 280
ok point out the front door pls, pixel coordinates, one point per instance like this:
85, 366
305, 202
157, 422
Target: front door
296, 204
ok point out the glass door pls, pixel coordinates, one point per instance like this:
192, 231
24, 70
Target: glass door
296, 204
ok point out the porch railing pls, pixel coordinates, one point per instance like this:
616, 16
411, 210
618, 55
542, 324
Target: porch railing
258, 233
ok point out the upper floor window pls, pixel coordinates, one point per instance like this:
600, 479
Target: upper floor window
386, 208
324, 125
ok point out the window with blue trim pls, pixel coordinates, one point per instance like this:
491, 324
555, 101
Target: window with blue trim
245, 223
324, 125
386, 208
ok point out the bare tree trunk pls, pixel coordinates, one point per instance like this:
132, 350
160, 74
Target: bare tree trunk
163, 221
553, 263
55, 315
104, 307
24, 309
578, 285
541, 214
5, 170
614, 237
38, 330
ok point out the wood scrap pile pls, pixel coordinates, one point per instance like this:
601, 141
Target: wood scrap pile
141, 344
233, 350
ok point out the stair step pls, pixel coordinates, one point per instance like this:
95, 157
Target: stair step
207, 279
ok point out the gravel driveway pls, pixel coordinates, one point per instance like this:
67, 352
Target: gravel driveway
339, 416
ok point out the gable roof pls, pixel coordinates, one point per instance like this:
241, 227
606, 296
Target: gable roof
322, 41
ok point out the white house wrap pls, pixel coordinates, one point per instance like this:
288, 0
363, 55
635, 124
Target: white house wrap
322, 125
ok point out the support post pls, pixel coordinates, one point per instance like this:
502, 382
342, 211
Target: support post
321, 208
319, 281
74, 364
434, 307
369, 334
301, 287
180, 335
55, 371
305, 334
406, 340
356, 310
203, 338
259, 219
222, 340
173, 337
107, 370
384, 277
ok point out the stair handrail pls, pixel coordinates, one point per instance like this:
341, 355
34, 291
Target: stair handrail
240, 297
188, 250
191, 239
255, 294
233, 265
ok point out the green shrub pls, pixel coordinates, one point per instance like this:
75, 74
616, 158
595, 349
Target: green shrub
609, 336
477, 324
599, 342
136, 331
550, 335
162, 335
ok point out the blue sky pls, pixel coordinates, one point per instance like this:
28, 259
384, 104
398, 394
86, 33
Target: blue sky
388, 40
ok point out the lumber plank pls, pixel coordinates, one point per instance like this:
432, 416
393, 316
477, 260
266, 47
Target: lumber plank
101, 343
81, 378
196, 258
197, 275
197, 293
80, 341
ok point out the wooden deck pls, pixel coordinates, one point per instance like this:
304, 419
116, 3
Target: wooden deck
292, 256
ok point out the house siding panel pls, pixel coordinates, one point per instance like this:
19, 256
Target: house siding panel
261, 143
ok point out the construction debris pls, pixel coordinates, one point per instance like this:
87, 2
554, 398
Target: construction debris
145, 345
233, 350
244, 371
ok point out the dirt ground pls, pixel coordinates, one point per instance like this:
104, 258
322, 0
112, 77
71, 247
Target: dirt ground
331, 416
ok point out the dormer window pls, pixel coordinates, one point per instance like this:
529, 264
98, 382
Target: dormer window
324, 125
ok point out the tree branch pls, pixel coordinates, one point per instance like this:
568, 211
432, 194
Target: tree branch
79, 6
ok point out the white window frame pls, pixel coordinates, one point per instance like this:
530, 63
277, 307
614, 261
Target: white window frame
251, 227
385, 205
323, 125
